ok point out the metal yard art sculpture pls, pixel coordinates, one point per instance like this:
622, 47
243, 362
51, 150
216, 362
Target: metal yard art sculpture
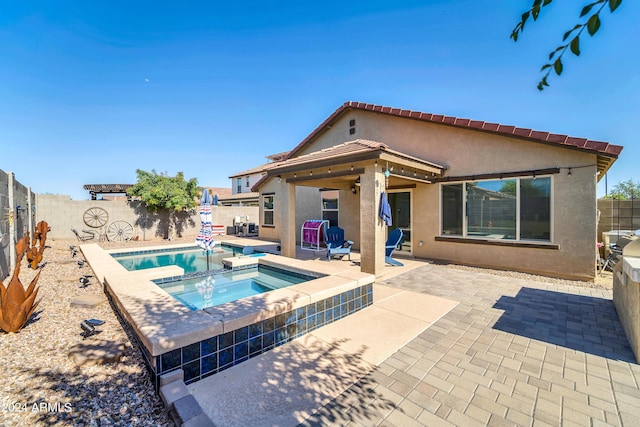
34, 255
17, 304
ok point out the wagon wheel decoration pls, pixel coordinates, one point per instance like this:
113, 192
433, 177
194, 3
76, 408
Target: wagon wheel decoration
95, 217
119, 231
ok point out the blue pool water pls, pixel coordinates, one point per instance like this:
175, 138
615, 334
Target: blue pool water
191, 260
208, 291
198, 289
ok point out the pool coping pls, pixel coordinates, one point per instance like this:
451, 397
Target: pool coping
163, 324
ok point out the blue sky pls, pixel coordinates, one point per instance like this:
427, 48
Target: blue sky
92, 91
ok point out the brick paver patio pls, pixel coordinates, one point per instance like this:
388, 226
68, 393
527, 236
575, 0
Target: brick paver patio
513, 352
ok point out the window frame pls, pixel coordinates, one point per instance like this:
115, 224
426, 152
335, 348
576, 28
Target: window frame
265, 210
518, 231
336, 209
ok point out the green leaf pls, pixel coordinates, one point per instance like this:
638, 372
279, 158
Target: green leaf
546, 2
556, 51
524, 17
593, 25
542, 84
557, 66
568, 33
613, 4
545, 66
586, 9
535, 11
575, 46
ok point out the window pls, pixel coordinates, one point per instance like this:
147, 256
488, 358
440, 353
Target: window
330, 206
238, 185
507, 209
267, 208
247, 179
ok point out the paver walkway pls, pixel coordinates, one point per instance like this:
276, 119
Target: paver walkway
513, 352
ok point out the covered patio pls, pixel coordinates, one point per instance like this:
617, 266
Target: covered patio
362, 167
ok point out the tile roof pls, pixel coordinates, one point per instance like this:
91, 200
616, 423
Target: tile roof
220, 191
349, 148
597, 147
252, 171
240, 196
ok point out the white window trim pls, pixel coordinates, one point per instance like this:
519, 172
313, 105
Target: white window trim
273, 209
323, 210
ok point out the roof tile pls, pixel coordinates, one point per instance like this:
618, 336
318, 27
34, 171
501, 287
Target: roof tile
522, 131
554, 137
506, 129
597, 146
577, 142
490, 126
536, 134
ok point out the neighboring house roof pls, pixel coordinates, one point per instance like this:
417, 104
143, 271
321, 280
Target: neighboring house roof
607, 153
222, 192
260, 169
239, 197
277, 157
252, 171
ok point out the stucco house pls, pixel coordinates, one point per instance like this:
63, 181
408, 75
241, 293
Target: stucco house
464, 191
242, 183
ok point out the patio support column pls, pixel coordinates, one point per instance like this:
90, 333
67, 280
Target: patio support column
372, 229
286, 203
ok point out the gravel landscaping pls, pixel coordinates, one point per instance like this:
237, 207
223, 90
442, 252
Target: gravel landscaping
41, 385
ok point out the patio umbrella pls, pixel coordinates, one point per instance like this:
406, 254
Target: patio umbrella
205, 236
215, 200
385, 209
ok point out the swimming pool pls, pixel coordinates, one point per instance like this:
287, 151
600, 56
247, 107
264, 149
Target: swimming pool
192, 260
207, 341
215, 289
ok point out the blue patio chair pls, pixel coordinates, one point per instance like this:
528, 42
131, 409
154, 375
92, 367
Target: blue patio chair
336, 244
394, 239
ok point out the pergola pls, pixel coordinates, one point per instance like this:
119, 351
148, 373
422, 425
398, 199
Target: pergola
95, 189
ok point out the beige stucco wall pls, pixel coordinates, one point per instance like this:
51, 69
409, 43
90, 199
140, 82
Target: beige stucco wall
309, 206
469, 152
62, 213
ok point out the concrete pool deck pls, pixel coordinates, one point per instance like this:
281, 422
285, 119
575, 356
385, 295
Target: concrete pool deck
163, 324
286, 385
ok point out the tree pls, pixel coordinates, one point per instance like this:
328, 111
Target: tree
591, 15
163, 192
625, 190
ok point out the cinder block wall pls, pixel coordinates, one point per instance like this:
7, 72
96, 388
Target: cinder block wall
62, 213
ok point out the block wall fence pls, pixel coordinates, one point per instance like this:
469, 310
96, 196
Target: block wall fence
22, 210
